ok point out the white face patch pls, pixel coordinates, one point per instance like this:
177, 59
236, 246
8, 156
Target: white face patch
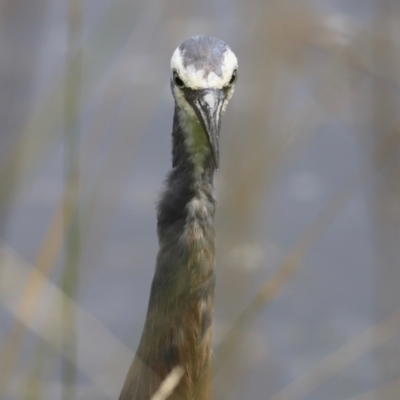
184, 105
229, 64
200, 74
196, 79
200, 69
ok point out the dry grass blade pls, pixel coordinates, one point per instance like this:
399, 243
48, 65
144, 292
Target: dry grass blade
287, 268
169, 384
30, 297
42, 129
60, 223
389, 391
47, 325
70, 277
296, 255
109, 178
317, 95
340, 359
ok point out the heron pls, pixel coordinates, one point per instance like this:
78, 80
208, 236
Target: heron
178, 325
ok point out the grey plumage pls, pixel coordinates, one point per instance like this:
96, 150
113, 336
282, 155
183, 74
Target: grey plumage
177, 330
204, 52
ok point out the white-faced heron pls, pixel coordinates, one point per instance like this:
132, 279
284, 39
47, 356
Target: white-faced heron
178, 330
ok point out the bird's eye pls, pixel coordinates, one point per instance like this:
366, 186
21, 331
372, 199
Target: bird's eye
178, 81
233, 77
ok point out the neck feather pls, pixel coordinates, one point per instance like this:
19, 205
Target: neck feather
182, 293
178, 330
190, 180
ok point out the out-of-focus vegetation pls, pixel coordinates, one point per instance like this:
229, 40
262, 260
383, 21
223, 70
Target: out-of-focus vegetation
308, 224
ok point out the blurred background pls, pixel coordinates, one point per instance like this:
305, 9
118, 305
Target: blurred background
308, 219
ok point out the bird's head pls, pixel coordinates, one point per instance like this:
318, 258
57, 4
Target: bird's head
203, 75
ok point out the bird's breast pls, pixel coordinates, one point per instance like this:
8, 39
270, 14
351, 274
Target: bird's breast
198, 235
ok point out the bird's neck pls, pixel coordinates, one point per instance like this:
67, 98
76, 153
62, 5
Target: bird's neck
178, 329
190, 150
188, 199
178, 324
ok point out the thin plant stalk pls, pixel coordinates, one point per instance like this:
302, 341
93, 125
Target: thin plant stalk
70, 278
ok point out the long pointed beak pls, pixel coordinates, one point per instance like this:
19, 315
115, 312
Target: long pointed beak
207, 104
